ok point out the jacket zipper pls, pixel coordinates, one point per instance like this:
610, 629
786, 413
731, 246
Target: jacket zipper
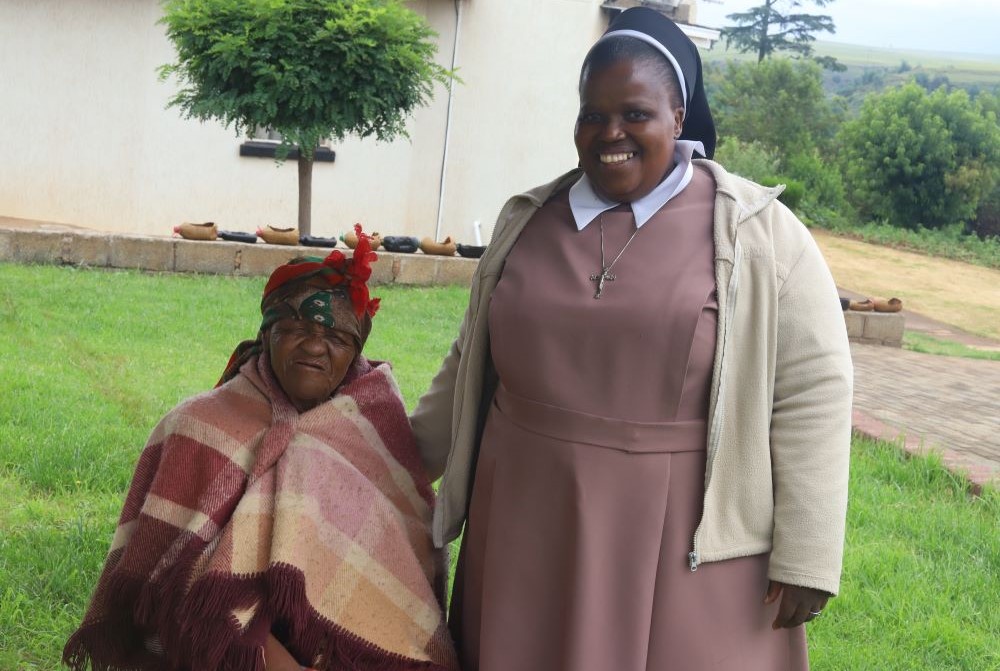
694, 557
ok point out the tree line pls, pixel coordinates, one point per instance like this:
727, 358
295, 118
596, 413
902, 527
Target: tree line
909, 157
921, 154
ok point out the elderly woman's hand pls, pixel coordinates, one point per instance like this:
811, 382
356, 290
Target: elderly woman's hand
798, 604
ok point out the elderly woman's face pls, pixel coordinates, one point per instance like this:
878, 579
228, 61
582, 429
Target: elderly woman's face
310, 360
626, 131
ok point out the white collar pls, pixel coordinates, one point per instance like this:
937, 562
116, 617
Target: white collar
587, 205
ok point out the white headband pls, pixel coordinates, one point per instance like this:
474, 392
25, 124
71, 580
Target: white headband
659, 47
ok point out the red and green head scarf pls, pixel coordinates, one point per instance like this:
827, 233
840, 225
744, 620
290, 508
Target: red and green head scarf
342, 302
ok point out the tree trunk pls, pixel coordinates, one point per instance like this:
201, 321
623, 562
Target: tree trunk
305, 195
763, 44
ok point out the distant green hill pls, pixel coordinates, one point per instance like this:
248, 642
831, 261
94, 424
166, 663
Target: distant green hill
874, 68
854, 54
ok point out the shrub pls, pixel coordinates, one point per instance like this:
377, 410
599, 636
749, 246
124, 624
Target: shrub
986, 223
747, 159
920, 159
793, 193
823, 182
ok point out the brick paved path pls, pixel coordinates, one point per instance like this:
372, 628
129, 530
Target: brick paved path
950, 404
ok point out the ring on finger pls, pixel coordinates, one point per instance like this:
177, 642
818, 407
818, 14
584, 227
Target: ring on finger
815, 613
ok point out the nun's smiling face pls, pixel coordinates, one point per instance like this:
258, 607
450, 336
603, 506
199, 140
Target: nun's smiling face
626, 130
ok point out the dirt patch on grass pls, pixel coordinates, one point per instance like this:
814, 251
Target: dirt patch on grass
957, 293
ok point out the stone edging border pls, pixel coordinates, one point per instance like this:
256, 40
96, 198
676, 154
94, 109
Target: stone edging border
162, 254
867, 426
875, 328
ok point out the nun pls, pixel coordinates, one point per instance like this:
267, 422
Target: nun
643, 425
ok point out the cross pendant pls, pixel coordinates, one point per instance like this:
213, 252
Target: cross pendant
600, 278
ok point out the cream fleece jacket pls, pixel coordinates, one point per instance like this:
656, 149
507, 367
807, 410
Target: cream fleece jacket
780, 408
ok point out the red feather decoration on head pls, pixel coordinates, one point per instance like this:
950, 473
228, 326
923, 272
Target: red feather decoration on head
358, 272
337, 269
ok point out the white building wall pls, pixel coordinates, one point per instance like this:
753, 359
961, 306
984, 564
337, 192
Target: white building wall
86, 139
513, 121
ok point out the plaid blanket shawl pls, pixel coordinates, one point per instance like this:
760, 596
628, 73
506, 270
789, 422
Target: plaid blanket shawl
246, 517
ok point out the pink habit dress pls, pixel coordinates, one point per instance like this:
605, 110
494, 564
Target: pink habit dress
590, 477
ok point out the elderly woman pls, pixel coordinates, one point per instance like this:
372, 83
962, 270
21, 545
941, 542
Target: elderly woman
280, 520
645, 420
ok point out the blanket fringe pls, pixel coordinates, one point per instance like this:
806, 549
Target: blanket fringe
115, 642
322, 643
119, 644
107, 646
226, 646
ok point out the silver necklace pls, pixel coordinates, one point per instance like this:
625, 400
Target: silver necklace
606, 275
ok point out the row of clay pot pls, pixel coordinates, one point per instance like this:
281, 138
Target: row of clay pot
405, 244
270, 234
875, 304
290, 236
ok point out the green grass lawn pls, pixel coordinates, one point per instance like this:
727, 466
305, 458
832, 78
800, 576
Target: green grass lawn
946, 244
921, 342
90, 360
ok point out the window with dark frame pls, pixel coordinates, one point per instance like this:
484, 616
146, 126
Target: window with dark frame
263, 143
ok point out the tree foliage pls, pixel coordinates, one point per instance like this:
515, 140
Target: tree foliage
919, 159
779, 103
986, 223
749, 159
774, 27
309, 69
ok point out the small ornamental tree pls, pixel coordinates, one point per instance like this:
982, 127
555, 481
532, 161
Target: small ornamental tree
774, 26
920, 159
308, 69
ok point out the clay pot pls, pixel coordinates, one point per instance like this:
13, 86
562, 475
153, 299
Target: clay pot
401, 244
205, 231
471, 251
317, 241
351, 239
446, 247
238, 236
887, 304
279, 236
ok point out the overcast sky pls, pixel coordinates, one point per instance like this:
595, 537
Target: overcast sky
969, 26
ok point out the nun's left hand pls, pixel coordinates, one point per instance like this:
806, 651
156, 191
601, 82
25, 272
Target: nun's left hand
798, 604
